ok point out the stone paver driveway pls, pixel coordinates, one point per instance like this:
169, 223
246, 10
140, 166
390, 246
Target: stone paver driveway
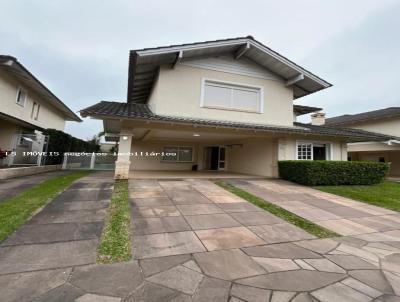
193, 241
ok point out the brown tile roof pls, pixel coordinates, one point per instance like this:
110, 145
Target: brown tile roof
106, 110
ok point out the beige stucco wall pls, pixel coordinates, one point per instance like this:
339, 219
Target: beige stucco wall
49, 117
392, 157
177, 92
387, 126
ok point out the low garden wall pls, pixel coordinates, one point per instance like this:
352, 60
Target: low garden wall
24, 171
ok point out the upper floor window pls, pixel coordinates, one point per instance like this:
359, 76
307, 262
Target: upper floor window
21, 97
35, 111
229, 96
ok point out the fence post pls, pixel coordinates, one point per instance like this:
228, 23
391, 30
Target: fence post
39, 159
64, 164
92, 161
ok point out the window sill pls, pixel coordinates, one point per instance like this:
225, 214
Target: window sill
231, 109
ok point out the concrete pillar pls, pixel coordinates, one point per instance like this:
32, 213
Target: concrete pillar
123, 161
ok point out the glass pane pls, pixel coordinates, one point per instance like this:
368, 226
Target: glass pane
221, 164
170, 153
221, 153
185, 153
245, 99
217, 96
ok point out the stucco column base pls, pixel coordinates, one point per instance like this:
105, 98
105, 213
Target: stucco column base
122, 169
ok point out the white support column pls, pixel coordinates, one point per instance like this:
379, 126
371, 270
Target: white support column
92, 160
123, 161
65, 160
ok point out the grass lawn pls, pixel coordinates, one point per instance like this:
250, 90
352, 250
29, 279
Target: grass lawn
16, 210
298, 221
115, 245
386, 194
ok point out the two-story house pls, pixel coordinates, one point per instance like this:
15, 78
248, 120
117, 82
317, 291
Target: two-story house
385, 121
26, 108
217, 105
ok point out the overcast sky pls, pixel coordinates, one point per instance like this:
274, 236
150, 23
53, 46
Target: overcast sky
79, 49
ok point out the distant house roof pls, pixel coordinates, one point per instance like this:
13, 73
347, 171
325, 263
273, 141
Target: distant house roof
16, 69
142, 112
300, 109
144, 64
348, 119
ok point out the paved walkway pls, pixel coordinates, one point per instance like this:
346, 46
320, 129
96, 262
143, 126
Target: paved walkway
14, 186
193, 241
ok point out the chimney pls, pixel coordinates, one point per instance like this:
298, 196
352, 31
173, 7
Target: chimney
318, 119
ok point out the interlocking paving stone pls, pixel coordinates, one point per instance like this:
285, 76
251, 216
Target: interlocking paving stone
278, 296
304, 265
102, 185
21, 258
56, 232
371, 257
97, 298
313, 214
46, 217
378, 223
146, 226
26, 286
248, 293
361, 287
211, 221
388, 298
353, 241
179, 278
118, 279
63, 293
324, 265
394, 280
192, 265
350, 262
321, 246
166, 244
256, 218
283, 232
299, 280
373, 278
382, 236
212, 289
346, 227
239, 207
151, 202
272, 265
155, 265
348, 212
320, 203
155, 211
227, 238
188, 197
340, 292
391, 263
228, 264
199, 209
303, 297
225, 199
281, 250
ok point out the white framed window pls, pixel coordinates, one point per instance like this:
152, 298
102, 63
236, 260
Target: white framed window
34, 105
182, 154
313, 151
37, 112
21, 97
231, 96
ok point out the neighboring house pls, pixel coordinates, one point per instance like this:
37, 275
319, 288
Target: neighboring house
385, 121
27, 107
218, 105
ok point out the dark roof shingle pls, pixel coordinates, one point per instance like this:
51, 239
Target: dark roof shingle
364, 116
142, 112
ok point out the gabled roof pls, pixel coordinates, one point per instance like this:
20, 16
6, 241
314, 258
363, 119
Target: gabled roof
348, 119
115, 110
144, 64
300, 109
16, 69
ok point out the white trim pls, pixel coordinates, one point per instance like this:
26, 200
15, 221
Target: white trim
229, 84
16, 97
311, 142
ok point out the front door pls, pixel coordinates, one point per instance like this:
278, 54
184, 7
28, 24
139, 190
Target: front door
221, 158
215, 158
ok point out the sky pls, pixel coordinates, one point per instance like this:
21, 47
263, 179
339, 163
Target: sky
80, 49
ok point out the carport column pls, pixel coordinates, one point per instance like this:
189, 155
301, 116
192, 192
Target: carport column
123, 161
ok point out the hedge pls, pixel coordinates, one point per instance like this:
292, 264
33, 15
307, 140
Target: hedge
332, 173
61, 142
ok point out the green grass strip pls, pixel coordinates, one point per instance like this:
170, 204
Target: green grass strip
385, 194
115, 245
298, 221
16, 210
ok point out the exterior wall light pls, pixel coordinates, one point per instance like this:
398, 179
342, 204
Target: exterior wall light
196, 134
124, 138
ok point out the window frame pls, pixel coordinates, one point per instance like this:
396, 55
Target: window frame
37, 112
329, 154
232, 85
177, 154
19, 89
